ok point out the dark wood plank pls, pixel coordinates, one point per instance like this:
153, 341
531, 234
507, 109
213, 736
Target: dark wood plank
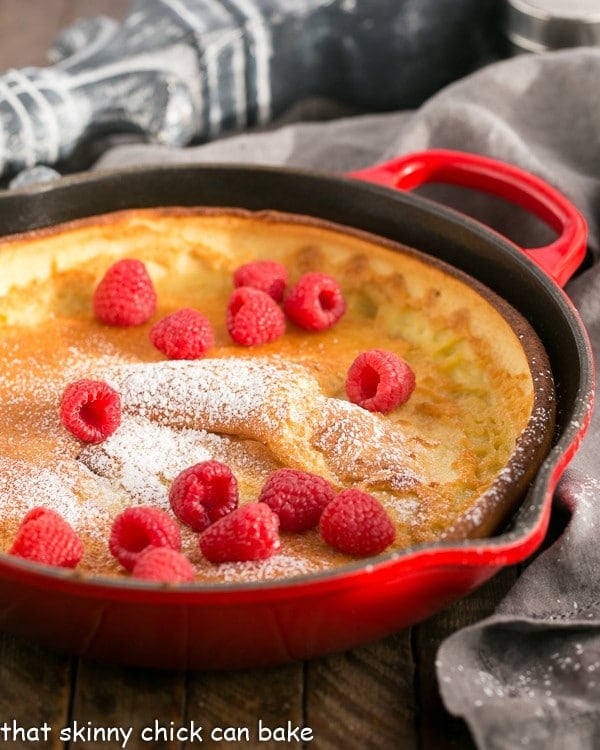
35, 687
247, 701
148, 702
364, 699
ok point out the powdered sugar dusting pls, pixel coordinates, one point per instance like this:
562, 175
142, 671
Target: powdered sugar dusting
362, 447
277, 404
214, 392
277, 566
84, 500
143, 458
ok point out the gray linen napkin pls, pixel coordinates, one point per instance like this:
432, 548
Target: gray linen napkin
529, 675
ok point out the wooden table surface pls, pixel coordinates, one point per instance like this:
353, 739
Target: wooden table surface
382, 696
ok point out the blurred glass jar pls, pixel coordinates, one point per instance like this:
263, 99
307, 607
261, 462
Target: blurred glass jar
541, 25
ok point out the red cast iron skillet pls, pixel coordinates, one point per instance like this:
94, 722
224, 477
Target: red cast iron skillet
233, 626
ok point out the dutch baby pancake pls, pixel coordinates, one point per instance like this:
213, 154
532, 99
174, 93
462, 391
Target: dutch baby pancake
449, 459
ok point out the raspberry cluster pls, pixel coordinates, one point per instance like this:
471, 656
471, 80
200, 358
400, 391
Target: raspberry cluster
256, 311
204, 497
146, 540
261, 302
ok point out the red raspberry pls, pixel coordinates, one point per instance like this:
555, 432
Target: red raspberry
253, 317
379, 380
139, 527
184, 334
125, 295
164, 565
315, 302
251, 532
90, 409
45, 537
267, 275
298, 498
203, 493
356, 523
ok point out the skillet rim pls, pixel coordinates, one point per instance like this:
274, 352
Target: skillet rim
567, 439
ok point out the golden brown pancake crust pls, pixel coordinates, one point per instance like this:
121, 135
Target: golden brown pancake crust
452, 462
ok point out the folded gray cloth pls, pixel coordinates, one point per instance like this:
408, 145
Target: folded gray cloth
529, 675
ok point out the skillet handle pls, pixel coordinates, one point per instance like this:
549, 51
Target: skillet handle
559, 259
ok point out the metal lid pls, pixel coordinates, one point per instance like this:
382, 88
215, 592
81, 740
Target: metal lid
538, 25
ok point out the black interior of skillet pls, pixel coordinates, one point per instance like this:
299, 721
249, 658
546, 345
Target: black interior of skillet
410, 219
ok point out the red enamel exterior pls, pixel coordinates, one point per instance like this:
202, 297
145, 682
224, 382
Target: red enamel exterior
235, 626
560, 259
